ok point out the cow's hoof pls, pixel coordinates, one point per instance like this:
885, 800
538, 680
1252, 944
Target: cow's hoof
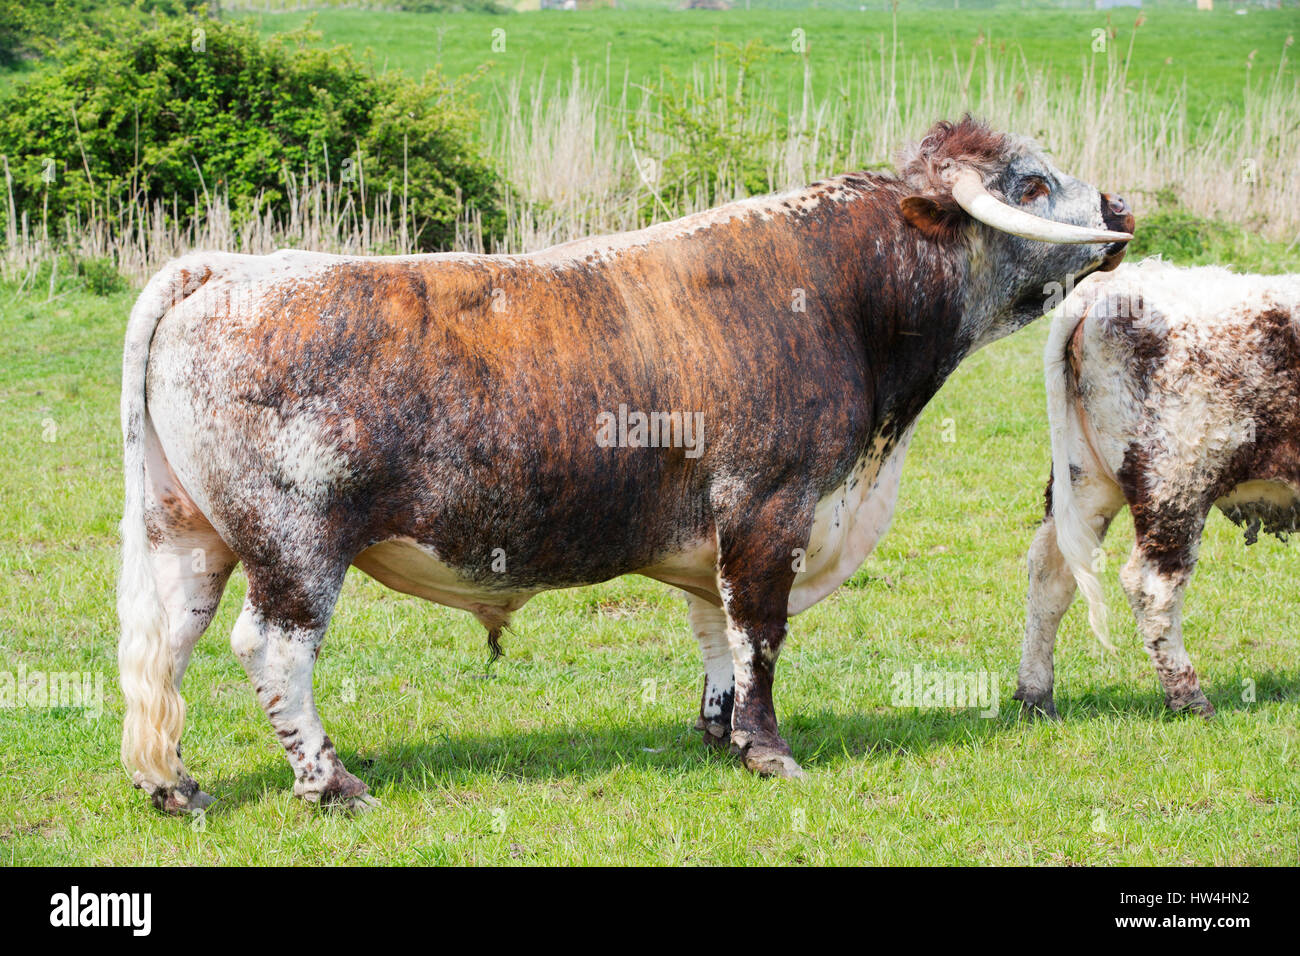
772, 763
198, 801
346, 804
180, 804
716, 735
343, 792
180, 798
769, 758
355, 806
1037, 708
1197, 704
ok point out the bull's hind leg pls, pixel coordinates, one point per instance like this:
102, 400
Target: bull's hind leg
192, 572
277, 638
1051, 590
709, 625
1155, 579
191, 565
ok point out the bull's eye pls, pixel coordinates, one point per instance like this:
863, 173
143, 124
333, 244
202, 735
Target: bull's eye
1035, 188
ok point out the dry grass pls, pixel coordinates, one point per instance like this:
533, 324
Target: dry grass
567, 144
141, 235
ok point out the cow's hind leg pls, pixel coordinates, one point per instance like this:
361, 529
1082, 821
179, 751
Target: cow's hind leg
190, 566
1051, 590
192, 572
709, 625
277, 638
1155, 579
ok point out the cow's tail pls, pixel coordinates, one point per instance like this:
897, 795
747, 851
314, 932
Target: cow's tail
1075, 537
155, 712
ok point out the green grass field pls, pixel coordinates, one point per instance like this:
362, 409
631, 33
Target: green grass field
578, 748
1208, 51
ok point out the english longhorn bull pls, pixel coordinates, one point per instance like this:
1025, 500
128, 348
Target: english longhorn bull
442, 422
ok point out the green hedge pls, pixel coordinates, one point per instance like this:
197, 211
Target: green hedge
32, 28
196, 103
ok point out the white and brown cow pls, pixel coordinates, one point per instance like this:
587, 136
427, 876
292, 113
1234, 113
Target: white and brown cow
439, 422
1172, 391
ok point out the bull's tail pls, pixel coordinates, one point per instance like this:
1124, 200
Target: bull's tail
155, 712
1075, 537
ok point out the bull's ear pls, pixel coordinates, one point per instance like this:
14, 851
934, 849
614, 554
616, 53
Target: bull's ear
934, 221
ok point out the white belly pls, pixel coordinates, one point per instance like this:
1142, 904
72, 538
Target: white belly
1257, 505
849, 522
405, 566
1273, 493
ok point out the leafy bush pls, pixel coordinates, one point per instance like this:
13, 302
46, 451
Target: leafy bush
192, 107
32, 27
722, 131
1175, 234
101, 276
1190, 240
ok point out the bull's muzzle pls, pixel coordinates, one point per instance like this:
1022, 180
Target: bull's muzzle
1118, 217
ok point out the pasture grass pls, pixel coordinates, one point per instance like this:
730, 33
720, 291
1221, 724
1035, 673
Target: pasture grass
578, 748
1207, 50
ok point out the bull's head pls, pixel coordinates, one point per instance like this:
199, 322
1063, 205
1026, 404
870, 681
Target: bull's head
1031, 227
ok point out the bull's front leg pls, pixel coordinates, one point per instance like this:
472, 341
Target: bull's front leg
1155, 579
709, 625
755, 573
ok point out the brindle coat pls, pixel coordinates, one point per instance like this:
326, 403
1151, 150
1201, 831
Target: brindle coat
1179, 392
432, 420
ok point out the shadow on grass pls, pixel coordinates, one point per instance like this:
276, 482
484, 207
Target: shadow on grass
1228, 693
819, 739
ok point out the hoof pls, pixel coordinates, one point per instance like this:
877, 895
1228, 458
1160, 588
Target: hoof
1037, 708
716, 735
199, 801
773, 763
1198, 704
343, 792
180, 798
355, 806
766, 759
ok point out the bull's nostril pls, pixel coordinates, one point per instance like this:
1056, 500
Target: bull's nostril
1117, 205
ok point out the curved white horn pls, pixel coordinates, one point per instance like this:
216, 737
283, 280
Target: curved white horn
968, 189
